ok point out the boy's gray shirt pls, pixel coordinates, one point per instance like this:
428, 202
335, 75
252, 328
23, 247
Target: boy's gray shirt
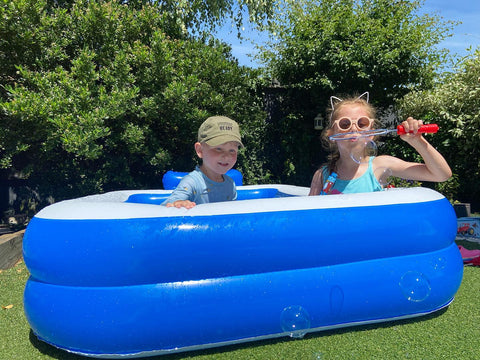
197, 187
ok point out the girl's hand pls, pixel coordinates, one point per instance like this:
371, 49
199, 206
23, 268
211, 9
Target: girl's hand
411, 124
187, 204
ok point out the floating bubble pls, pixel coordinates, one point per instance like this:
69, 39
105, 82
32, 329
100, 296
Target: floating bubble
384, 176
296, 321
362, 150
415, 286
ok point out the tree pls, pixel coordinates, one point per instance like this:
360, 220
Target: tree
338, 46
455, 105
198, 15
333, 47
112, 96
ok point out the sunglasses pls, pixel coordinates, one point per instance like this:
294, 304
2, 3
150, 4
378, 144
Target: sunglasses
346, 123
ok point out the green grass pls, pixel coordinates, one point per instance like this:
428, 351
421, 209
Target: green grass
453, 333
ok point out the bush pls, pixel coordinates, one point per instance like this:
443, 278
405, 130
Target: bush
455, 105
111, 97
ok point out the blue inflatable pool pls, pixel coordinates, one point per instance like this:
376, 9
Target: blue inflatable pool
117, 276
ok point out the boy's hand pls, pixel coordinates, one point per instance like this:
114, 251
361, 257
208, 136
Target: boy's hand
182, 203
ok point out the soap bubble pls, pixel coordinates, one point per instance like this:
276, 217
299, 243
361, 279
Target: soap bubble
296, 321
384, 176
362, 150
415, 286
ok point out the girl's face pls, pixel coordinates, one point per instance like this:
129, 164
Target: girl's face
217, 160
351, 118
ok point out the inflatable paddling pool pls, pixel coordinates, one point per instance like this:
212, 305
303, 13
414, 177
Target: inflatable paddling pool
117, 276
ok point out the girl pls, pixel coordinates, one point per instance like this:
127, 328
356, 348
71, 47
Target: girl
342, 174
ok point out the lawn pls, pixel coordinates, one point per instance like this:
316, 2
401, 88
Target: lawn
453, 333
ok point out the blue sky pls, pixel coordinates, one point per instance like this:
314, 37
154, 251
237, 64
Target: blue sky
466, 34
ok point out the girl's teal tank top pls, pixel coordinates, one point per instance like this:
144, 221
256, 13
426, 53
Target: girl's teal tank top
365, 183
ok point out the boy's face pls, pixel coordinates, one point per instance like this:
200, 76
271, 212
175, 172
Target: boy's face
217, 160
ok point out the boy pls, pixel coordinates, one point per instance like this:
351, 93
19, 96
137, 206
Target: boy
218, 143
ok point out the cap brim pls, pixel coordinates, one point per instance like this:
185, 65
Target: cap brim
219, 140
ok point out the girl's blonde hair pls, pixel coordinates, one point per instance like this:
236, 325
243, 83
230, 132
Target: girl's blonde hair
332, 114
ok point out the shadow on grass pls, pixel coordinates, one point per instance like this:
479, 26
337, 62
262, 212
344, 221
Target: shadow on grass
59, 354
52, 351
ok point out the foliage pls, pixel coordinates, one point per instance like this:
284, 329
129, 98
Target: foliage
345, 46
341, 46
455, 105
198, 15
112, 96
101, 95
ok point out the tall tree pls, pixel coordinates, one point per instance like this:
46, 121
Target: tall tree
195, 15
335, 46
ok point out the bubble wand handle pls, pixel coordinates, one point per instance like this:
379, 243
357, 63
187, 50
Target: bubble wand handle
429, 128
